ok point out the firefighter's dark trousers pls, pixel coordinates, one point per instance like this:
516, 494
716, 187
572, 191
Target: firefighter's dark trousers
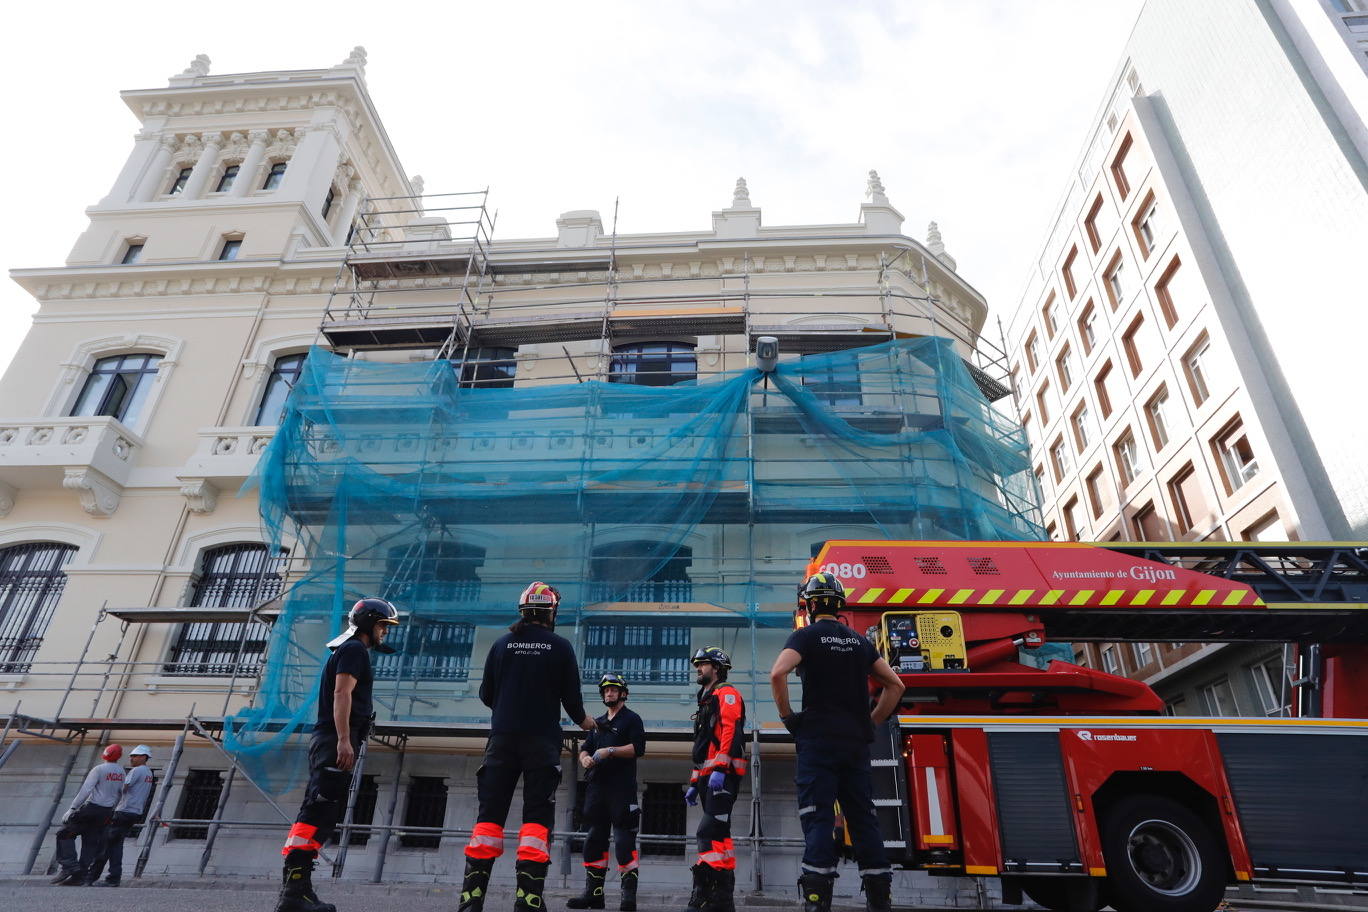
534, 758
325, 797
610, 808
827, 772
714, 830
89, 824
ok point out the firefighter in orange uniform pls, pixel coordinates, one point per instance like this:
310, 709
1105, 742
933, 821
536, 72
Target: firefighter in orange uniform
719, 764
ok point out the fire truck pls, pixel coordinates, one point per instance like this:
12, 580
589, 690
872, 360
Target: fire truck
1072, 785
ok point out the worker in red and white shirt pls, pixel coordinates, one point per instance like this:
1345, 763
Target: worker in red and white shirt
719, 764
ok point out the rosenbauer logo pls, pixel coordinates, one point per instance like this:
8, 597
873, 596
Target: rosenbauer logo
1085, 735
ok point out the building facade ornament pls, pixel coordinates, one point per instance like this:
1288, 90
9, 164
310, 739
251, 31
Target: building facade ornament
741, 195
357, 58
200, 495
99, 495
874, 190
8, 495
198, 67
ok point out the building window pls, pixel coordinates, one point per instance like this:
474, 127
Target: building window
1196, 368
1026, 428
836, 385
1051, 532
274, 176
1130, 342
653, 363
1185, 493
1064, 366
1070, 283
1092, 225
1033, 352
426, 807
233, 576
363, 814
229, 250
31, 584
1101, 385
1113, 278
1048, 318
1175, 707
1268, 528
1042, 403
328, 202
634, 571
118, 386
428, 650
181, 179
1271, 684
1082, 421
1087, 328
1111, 660
662, 814
1040, 478
199, 800
1097, 495
1163, 290
643, 653
1156, 414
1236, 456
1059, 459
225, 183
489, 368
1149, 524
1127, 457
1145, 225
132, 254
284, 375
1118, 168
1144, 654
1071, 523
1219, 698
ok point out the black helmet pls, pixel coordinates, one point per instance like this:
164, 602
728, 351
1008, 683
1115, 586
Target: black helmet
822, 593
363, 618
613, 680
712, 654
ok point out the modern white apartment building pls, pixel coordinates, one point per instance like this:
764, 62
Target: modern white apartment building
1189, 339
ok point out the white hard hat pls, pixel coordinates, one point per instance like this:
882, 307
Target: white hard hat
141, 749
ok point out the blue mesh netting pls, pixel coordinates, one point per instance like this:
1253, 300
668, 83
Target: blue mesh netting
695, 505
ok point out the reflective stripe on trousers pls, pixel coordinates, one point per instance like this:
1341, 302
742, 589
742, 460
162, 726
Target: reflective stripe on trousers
301, 836
487, 841
532, 843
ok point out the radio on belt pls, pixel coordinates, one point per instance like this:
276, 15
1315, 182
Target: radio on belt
918, 641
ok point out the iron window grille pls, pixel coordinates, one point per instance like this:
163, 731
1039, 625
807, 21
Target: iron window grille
653, 363
234, 576
425, 807
199, 800
427, 650
31, 584
489, 368
642, 653
118, 386
284, 375
363, 814
662, 814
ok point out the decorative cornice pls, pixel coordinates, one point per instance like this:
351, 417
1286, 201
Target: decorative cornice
99, 495
200, 495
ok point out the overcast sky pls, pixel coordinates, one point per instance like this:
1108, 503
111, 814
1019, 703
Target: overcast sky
971, 112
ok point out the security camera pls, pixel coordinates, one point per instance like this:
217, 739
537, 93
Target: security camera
766, 353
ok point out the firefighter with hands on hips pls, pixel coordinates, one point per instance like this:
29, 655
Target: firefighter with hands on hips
530, 674
344, 720
719, 764
610, 802
831, 737
137, 791
89, 814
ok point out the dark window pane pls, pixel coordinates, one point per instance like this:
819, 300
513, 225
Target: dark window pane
234, 576
489, 368
284, 376
230, 250
179, 183
199, 800
328, 201
225, 183
31, 583
274, 176
426, 807
118, 386
662, 814
653, 363
835, 385
133, 254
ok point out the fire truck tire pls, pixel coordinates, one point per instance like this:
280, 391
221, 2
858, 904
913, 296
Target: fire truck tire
1063, 894
1161, 857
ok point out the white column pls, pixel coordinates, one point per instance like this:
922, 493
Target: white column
208, 160
155, 174
248, 179
311, 168
349, 206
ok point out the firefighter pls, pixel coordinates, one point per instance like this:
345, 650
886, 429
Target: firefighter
610, 802
529, 675
719, 764
87, 818
831, 737
344, 720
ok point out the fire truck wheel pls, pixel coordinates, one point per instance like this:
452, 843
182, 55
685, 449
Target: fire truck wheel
1063, 894
1161, 857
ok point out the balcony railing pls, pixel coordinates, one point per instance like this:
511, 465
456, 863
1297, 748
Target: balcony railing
650, 591
90, 455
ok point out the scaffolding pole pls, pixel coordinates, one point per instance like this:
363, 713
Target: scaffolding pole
163, 789
388, 828
45, 824
757, 827
354, 789
212, 836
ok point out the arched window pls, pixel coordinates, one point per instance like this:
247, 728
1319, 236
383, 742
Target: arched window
424, 578
233, 576
118, 386
645, 652
284, 374
632, 571
31, 583
489, 368
653, 363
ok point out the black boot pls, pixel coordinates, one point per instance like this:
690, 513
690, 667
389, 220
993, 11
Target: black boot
629, 885
702, 887
878, 892
724, 885
476, 884
296, 889
592, 897
816, 889
531, 883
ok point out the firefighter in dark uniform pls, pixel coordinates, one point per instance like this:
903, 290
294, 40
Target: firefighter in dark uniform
831, 737
719, 764
610, 801
529, 675
344, 718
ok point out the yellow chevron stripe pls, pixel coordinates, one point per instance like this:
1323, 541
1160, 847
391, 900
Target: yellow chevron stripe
1142, 597
1233, 598
850, 593
929, 596
1051, 597
1203, 597
1022, 596
870, 595
990, 597
1082, 596
900, 596
1172, 597
1112, 597
961, 596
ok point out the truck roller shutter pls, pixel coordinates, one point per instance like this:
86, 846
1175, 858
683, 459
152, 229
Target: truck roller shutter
1034, 814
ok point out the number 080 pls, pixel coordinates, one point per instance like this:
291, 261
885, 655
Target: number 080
846, 571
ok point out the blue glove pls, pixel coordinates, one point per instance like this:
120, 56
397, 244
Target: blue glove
716, 781
691, 796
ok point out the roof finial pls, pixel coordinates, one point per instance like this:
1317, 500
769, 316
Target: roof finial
741, 195
934, 243
418, 184
356, 58
198, 67
874, 189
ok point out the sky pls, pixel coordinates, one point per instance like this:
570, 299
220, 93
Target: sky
972, 113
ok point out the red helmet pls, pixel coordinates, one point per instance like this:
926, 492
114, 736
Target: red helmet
112, 753
539, 597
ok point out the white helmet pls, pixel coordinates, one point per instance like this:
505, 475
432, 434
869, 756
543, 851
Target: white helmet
141, 749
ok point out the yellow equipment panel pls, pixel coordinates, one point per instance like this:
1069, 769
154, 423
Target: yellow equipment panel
918, 641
